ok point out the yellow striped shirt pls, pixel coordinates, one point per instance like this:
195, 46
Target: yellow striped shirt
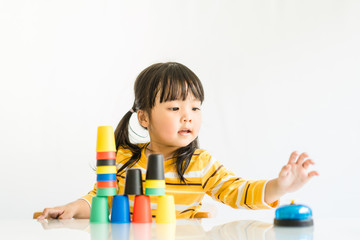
205, 175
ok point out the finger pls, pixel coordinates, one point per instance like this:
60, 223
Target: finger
51, 213
301, 158
293, 157
312, 174
55, 213
284, 171
65, 215
307, 163
44, 214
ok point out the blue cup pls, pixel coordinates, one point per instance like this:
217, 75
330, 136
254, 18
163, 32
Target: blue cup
120, 212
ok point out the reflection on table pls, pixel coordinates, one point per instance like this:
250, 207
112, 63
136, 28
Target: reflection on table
183, 229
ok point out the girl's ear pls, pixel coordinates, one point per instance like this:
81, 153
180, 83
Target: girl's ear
143, 118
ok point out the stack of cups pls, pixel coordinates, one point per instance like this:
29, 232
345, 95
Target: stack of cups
155, 185
106, 174
133, 186
155, 177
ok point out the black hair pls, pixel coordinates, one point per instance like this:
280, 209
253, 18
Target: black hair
172, 81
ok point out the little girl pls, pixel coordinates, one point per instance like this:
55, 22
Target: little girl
168, 98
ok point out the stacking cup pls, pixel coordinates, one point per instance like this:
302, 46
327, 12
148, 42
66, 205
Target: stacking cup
99, 210
165, 212
106, 160
142, 209
155, 176
105, 139
133, 182
155, 167
120, 212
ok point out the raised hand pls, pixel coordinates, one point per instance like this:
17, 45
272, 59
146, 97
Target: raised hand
295, 174
292, 177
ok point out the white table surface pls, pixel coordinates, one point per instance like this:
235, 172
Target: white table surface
183, 229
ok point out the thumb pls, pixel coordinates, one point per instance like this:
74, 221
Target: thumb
284, 171
52, 213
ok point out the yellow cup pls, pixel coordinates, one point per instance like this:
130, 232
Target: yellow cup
165, 212
106, 169
105, 139
154, 183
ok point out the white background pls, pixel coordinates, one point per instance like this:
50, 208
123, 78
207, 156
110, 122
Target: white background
278, 76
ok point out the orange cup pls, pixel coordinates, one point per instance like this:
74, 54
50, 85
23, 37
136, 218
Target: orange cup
142, 209
106, 184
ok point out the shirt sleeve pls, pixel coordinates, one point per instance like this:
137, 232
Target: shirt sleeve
88, 197
223, 186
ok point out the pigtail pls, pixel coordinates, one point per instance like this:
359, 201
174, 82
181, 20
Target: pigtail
183, 157
122, 139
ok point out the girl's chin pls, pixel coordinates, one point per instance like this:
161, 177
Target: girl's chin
184, 142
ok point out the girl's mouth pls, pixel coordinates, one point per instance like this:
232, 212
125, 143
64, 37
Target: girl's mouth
184, 132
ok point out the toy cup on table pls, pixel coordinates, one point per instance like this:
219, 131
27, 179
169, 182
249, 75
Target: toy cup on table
142, 207
99, 210
106, 174
106, 168
120, 211
165, 212
133, 186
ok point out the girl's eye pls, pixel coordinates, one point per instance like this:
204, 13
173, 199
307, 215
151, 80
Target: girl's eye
196, 109
174, 108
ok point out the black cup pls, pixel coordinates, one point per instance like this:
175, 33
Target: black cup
155, 167
133, 182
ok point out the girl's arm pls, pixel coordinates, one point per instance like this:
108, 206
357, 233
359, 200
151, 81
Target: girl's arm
291, 178
77, 209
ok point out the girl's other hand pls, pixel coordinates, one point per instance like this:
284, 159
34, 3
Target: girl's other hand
295, 174
63, 212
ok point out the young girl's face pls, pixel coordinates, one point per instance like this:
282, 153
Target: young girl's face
175, 123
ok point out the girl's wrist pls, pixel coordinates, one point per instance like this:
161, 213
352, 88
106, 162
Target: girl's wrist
273, 191
80, 208
280, 191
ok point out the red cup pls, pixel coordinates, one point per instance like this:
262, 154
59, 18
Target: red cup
142, 209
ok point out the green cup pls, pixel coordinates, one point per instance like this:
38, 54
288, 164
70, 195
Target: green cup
99, 210
155, 191
104, 192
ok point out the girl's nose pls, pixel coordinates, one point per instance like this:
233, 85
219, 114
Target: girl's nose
186, 117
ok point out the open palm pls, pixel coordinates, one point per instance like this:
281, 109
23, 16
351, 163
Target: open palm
295, 174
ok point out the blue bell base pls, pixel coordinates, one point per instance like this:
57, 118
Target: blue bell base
293, 223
